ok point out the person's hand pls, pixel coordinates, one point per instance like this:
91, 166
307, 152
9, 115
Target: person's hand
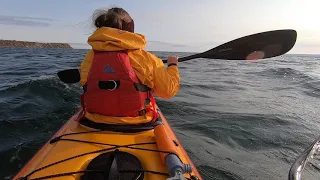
173, 60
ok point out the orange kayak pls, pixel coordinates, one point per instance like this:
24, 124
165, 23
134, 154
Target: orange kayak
85, 150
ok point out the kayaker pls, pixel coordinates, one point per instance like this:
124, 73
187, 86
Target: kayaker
117, 73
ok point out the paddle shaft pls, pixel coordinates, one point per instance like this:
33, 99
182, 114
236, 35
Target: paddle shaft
194, 56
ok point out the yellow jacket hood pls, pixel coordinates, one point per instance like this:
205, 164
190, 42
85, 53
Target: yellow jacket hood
110, 39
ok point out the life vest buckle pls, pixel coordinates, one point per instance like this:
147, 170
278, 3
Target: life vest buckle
142, 112
115, 85
110, 85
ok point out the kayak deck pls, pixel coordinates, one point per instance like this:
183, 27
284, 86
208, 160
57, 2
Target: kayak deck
77, 145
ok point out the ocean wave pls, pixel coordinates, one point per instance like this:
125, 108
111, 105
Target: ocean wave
31, 113
213, 173
280, 72
194, 86
250, 132
312, 88
37, 97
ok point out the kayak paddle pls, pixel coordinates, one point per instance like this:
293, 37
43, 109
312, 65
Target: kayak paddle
256, 46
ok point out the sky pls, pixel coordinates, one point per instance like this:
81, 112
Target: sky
168, 25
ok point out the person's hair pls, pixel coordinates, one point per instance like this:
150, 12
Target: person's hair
114, 18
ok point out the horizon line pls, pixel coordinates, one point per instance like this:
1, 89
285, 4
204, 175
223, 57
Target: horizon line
79, 43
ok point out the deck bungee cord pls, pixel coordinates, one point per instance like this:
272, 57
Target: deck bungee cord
129, 146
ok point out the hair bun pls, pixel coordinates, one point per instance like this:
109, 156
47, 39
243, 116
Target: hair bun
108, 20
115, 18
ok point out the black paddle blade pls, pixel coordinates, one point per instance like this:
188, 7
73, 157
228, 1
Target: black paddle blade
256, 46
69, 76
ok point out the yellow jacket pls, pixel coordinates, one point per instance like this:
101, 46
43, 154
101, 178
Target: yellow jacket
164, 82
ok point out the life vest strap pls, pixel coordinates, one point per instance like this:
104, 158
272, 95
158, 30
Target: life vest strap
110, 85
153, 107
142, 112
141, 87
115, 84
83, 112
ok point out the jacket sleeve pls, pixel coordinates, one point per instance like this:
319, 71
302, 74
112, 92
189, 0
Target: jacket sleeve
85, 68
166, 80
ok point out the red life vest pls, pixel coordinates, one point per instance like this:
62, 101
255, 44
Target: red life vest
113, 88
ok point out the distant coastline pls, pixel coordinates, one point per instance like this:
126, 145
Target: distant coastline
27, 44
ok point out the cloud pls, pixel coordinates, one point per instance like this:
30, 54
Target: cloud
25, 21
42, 34
168, 44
